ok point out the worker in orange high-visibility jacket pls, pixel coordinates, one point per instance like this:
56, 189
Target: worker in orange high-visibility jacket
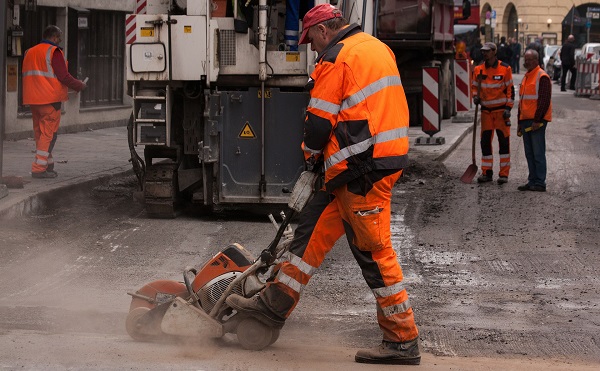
357, 124
494, 80
45, 84
535, 112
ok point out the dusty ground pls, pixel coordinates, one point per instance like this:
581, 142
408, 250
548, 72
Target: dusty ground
499, 279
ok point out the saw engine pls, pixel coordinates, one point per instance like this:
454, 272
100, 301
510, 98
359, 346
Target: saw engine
197, 306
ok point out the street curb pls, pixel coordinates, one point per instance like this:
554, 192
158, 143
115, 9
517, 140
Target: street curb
454, 144
30, 203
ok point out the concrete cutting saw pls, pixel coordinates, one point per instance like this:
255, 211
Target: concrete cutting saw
196, 307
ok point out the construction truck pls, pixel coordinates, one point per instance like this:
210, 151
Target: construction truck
219, 97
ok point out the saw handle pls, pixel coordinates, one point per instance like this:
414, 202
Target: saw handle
269, 255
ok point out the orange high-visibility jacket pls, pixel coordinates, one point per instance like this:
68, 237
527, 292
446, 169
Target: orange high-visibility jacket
528, 93
497, 89
357, 117
40, 84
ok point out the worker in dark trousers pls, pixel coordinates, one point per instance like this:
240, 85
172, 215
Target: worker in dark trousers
567, 58
497, 93
535, 112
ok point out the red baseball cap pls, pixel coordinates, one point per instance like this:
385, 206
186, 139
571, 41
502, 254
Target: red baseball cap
316, 15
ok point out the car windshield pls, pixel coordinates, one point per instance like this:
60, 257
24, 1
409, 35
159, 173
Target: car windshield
550, 49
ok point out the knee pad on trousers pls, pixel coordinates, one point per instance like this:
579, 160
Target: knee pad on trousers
503, 143
486, 142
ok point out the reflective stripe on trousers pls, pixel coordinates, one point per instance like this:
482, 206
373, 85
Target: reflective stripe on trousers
493, 122
366, 222
46, 120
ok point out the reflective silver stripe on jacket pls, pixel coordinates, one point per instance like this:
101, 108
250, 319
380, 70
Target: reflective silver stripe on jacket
396, 308
370, 89
324, 105
302, 266
384, 292
49, 72
290, 282
360, 147
537, 87
494, 85
495, 101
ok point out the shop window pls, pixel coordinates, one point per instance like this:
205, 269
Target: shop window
104, 60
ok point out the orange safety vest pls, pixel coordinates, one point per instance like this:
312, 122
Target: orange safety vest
357, 89
497, 90
528, 93
40, 84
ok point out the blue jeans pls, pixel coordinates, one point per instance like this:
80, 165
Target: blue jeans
534, 143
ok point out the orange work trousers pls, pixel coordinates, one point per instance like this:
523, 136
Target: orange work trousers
365, 219
46, 120
493, 121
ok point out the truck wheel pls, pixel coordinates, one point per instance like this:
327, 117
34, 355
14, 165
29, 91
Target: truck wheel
254, 335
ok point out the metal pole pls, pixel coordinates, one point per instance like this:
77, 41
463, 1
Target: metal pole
572, 16
2, 80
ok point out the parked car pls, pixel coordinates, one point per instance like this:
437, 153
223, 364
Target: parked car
591, 51
554, 67
548, 51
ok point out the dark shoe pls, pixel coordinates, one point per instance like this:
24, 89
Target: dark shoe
255, 307
52, 172
44, 175
391, 353
502, 180
537, 188
563, 89
524, 187
487, 177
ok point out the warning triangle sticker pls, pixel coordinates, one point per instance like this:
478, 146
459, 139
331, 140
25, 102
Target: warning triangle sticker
247, 132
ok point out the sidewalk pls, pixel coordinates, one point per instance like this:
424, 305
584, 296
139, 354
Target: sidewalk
91, 156
80, 159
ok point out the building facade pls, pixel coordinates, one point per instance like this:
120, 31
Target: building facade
94, 46
552, 20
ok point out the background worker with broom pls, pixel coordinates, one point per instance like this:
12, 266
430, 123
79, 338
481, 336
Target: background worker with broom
496, 97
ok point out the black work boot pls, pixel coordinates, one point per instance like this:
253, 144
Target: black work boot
391, 353
44, 175
485, 177
255, 307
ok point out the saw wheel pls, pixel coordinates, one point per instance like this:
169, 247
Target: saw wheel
255, 335
136, 328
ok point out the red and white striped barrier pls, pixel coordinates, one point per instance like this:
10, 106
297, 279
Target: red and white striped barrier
130, 29
130, 21
431, 100
588, 77
140, 7
462, 84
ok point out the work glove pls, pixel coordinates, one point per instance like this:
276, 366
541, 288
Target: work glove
506, 113
476, 100
314, 164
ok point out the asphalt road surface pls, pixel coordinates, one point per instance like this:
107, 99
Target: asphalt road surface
499, 279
